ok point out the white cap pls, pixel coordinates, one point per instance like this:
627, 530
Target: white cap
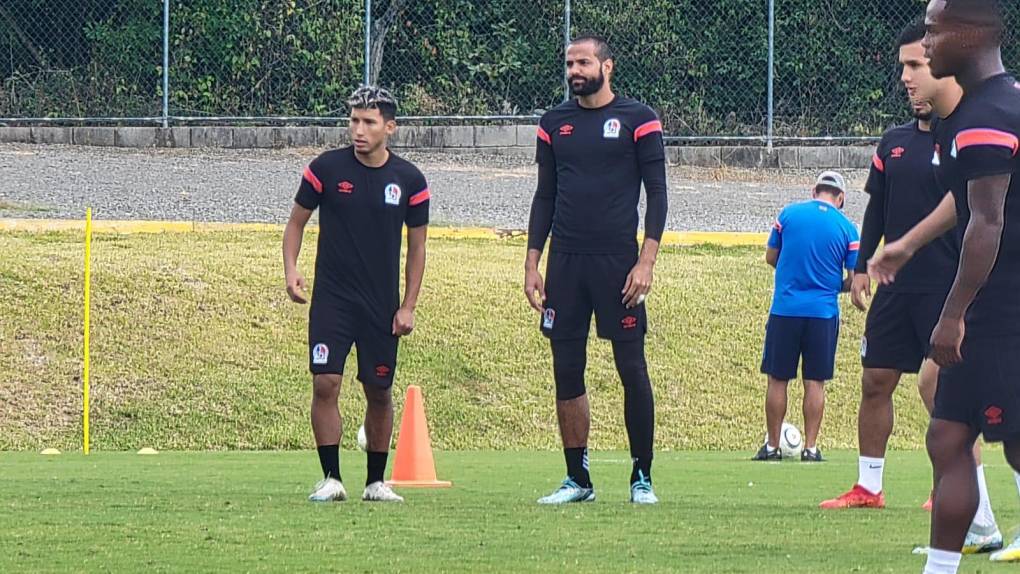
832, 179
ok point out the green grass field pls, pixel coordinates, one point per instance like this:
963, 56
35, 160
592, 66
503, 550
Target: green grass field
196, 347
243, 511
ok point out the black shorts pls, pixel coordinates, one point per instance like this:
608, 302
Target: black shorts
898, 330
577, 285
334, 327
790, 339
984, 390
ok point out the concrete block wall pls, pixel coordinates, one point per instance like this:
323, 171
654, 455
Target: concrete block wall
516, 140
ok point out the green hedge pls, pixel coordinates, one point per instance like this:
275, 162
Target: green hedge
701, 63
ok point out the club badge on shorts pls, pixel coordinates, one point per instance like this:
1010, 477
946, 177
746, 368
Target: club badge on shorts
864, 347
611, 129
392, 194
320, 354
548, 319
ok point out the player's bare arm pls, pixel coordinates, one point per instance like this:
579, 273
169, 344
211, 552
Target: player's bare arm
639, 280
292, 237
987, 200
414, 272
884, 266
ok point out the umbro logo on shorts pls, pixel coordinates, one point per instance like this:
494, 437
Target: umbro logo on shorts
382, 371
993, 415
629, 322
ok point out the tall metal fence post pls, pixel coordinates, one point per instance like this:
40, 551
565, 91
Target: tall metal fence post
166, 63
566, 42
772, 75
368, 42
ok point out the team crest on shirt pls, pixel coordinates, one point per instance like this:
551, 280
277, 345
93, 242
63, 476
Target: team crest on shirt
548, 318
320, 354
611, 129
392, 194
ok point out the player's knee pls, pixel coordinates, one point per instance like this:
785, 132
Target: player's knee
569, 382
325, 387
569, 361
877, 385
629, 357
378, 397
949, 444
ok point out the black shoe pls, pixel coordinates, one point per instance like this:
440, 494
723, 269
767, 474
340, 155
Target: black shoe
765, 453
808, 456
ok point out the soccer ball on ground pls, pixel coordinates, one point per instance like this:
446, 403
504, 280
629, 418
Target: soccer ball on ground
363, 438
791, 443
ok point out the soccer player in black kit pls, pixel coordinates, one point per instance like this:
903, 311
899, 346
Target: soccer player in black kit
365, 196
593, 154
977, 338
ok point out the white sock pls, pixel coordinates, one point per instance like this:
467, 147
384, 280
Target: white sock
870, 473
942, 562
984, 518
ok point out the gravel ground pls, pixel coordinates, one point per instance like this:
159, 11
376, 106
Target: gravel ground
258, 186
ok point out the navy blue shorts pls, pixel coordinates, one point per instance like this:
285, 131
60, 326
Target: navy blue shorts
790, 339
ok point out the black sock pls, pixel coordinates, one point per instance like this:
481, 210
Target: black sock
577, 465
329, 459
376, 467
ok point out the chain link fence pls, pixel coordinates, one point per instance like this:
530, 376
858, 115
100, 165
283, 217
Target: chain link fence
80, 58
705, 65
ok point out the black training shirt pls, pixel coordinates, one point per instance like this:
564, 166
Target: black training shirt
904, 191
591, 166
981, 139
362, 211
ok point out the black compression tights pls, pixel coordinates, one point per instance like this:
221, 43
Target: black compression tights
569, 361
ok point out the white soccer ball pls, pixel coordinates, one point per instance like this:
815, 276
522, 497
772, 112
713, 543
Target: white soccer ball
363, 438
791, 443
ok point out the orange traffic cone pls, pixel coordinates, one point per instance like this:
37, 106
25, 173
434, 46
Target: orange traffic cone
413, 465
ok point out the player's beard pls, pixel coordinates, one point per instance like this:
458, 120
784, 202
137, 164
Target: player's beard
590, 85
924, 116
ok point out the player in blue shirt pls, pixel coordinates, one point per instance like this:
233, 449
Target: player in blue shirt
811, 245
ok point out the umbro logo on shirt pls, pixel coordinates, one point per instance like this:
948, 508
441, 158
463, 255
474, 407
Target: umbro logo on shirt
566, 130
345, 187
898, 152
